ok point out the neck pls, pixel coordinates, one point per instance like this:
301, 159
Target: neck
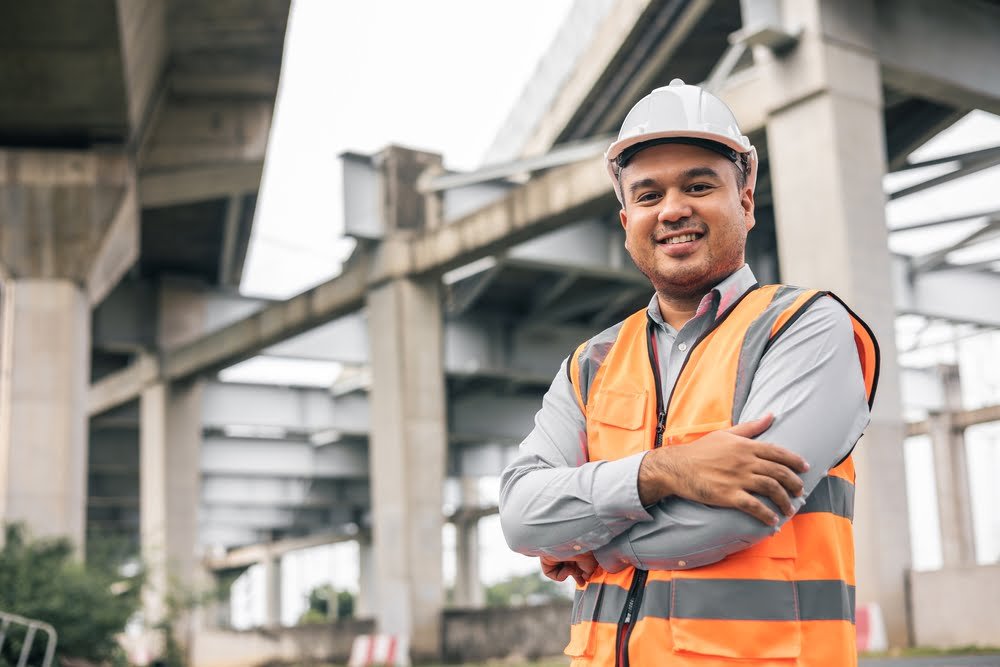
677, 311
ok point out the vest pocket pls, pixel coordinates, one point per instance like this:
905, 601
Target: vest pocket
744, 607
623, 409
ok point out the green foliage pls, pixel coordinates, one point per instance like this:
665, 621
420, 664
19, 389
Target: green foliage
43, 579
524, 589
326, 603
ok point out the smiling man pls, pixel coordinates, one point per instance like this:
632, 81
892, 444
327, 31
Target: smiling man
690, 467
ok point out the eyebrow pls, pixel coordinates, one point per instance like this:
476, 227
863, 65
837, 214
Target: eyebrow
641, 183
696, 172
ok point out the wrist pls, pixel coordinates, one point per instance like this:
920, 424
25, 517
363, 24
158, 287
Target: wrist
654, 479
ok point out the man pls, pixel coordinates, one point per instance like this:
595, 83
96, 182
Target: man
690, 466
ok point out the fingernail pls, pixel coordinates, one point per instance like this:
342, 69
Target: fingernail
806, 465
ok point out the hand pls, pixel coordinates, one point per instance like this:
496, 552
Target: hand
725, 468
581, 568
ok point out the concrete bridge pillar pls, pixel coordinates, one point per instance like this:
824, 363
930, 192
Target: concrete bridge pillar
408, 440
827, 154
469, 590
69, 230
951, 475
170, 435
367, 599
272, 590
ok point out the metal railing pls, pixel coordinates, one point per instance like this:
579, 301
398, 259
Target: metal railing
32, 628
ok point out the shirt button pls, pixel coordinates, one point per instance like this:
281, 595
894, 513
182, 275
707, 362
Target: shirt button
682, 346
681, 563
577, 547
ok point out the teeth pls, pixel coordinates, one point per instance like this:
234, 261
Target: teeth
684, 238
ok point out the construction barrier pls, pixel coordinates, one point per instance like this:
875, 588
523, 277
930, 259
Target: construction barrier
389, 650
871, 628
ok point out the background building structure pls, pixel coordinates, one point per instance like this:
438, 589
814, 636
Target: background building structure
125, 227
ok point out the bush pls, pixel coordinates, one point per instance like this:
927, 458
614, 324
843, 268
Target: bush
87, 604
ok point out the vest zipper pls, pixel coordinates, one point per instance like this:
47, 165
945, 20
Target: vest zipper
654, 363
638, 587
627, 621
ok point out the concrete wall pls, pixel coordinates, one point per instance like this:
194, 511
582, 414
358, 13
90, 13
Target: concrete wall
323, 643
500, 632
956, 607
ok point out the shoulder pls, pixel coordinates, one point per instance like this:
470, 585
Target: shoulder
821, 319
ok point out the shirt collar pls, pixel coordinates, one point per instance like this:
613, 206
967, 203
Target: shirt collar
720, 297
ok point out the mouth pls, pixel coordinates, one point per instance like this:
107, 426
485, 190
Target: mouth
677, 245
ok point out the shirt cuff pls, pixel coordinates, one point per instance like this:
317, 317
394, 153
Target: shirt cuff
616, 494
617, 554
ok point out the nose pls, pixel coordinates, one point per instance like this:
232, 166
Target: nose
674, 207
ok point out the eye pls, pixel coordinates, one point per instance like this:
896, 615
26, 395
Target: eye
647, 197
700, 188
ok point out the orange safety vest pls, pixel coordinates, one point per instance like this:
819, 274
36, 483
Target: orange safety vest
786, 600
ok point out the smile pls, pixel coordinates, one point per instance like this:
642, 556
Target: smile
683, 238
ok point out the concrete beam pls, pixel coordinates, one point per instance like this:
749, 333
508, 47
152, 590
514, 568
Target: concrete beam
954, 294
560, 196
143, 36
916, 46
118, 250
186, 184
270, 458
961, 419
246, 556
122, 386
611, 33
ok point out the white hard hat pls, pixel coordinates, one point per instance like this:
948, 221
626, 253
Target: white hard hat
680, 111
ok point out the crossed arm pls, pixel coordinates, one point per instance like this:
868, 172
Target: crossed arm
658, 509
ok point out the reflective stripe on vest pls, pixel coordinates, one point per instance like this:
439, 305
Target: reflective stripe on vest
786, 600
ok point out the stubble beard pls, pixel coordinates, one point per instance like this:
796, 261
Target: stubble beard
691, 282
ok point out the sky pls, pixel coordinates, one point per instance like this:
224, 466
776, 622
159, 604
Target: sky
439, 75
357, 76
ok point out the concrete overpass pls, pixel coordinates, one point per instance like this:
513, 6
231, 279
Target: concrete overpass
132, 138
465, 292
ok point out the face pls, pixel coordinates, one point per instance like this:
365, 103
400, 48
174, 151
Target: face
685, 218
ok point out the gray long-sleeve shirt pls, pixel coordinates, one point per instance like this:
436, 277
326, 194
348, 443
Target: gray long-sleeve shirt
553, 504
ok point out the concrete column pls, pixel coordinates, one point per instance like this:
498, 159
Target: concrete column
44, 380
827, 162
272, 591
469, 590
68, 230
170, 431
407, 458
951, 475
367, 600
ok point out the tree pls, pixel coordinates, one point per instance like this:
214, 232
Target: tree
525, 589
324, 602
86, 604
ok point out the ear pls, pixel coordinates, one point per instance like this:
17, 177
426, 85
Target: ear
624, 218
746, 202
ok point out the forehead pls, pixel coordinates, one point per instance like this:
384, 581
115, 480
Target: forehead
671, 161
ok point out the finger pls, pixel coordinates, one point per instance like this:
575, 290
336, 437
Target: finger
770, 488
788, 479
755, 508
754, 427
766, 450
